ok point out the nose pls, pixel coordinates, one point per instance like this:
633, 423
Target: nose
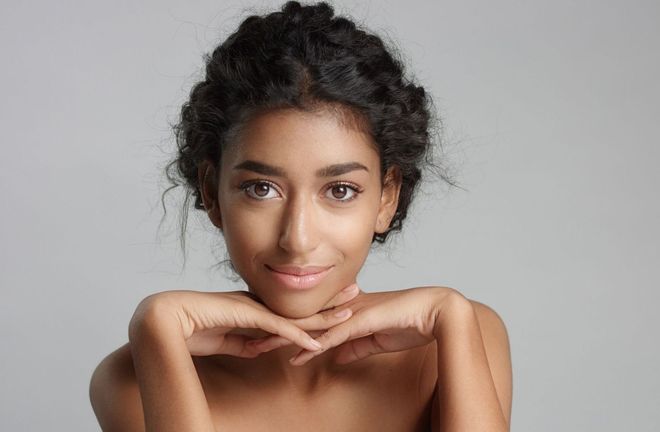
299, 233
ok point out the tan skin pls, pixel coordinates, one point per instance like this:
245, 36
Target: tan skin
418, 359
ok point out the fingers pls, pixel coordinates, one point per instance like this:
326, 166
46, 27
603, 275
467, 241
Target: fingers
281, 326
343, 296
239, 346
294, 331
358, 349
323, 320
269, 343
320, 321
352, 329
329, 317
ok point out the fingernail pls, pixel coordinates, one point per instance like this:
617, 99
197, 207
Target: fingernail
317, 344
343, 313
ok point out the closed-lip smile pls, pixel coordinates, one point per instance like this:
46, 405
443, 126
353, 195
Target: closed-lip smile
299, 278
298, 271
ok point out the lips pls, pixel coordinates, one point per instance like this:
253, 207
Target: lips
299, 278
298, 271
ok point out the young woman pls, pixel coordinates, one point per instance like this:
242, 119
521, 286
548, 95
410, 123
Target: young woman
304, 144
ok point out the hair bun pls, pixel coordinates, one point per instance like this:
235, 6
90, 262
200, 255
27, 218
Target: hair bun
294, 11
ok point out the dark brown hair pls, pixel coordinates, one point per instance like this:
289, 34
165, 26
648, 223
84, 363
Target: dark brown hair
305, 57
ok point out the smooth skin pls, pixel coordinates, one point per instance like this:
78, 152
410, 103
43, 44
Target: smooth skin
304, 188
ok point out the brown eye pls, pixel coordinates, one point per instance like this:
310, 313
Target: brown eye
339, 192
261, 189
343, 192
258, 190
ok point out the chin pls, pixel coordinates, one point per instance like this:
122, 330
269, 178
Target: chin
293, 314
291, 308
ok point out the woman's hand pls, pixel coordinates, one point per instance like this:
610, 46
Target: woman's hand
381, 322
208, 321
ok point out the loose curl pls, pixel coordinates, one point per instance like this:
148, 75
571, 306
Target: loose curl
306, 58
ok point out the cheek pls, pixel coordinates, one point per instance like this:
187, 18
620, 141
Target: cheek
246, 234
352, 233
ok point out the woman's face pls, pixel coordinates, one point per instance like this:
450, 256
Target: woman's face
299, 190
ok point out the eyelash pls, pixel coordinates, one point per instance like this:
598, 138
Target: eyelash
356, 189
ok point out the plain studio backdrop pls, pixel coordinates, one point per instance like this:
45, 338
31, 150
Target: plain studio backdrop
551, 112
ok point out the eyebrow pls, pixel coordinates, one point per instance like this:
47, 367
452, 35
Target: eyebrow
329, 171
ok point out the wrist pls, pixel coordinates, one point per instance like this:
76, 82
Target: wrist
454, 312
154, 317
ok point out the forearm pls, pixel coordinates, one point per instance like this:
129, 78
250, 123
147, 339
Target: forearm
466, 396
172, 395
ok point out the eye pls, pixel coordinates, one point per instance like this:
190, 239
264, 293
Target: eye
343, 192
258, 189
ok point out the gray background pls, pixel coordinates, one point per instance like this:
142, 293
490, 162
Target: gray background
551, 114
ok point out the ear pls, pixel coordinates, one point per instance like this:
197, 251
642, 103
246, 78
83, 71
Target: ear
389, 199
208, 179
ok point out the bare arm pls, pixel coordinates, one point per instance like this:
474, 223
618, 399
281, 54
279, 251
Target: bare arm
474, 369
114, 393
172, 395
473, 389
151, 384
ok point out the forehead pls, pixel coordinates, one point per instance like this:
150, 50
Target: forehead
298, 140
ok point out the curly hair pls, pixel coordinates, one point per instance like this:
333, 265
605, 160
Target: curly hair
306, 58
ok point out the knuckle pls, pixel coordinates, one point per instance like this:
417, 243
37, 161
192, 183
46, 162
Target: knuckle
377, 346
328, 316
325, 336
364, 325
354, 351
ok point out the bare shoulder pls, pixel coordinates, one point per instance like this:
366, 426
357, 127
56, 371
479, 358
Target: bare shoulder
498, 351
488, 317
114, 393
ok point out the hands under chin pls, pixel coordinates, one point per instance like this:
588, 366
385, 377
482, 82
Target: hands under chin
315, 324
374, 323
